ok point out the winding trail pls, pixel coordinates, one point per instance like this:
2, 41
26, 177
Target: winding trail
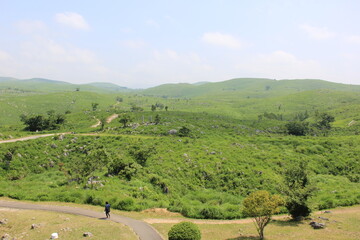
143, 230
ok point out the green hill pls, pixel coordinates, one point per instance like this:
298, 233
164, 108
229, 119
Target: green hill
247, 86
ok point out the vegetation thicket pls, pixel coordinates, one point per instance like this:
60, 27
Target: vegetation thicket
199, 153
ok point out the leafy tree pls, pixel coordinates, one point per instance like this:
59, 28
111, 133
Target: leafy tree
166, 108
40, 122
324, 121
94, 106
297, 128
119, 99
298, 190
261, 205
102, 123
125, 119
184, 231
157, 119
153, 108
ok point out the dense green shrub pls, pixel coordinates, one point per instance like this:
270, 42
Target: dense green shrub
126, 204
184, 231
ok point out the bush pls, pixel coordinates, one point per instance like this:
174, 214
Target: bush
212, 213
126, 204
184, 231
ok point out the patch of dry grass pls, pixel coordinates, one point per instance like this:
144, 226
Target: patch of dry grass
68, 226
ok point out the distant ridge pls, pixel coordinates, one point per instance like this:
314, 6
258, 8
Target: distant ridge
48, 85
258, 87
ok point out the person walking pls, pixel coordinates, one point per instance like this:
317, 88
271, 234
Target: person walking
107, 210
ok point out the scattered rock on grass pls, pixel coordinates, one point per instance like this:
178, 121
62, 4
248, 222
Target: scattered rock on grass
6, 237
34, 226
3, 221
87, 234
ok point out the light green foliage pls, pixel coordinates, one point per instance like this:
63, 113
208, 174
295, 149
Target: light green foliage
184, 231
261, 205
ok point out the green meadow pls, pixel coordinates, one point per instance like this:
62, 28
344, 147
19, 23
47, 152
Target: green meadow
195, 149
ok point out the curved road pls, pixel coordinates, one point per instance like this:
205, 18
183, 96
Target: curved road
142, 229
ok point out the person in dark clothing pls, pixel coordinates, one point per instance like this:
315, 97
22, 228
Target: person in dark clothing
107, 210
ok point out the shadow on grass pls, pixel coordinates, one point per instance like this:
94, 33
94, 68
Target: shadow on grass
103, 218
287, 223
245, 238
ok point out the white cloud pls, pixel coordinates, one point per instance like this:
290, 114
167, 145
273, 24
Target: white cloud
73, 20
281, 65
316, 32
4, 56
169, 66
220, 39
31, 26
353, 39
133, 44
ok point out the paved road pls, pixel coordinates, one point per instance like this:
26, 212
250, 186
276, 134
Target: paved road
142, 229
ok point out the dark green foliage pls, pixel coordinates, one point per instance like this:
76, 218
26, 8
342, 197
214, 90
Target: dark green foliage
125, 119
324, 121
298, 190
184, 231
94, 106
184, 132
40, 123
141, 153
297, 128
157, 119
126, 204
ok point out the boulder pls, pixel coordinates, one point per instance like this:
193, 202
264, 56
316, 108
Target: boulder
317, 225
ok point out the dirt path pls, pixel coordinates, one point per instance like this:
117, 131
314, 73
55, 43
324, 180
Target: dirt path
30, 137
112, 117
108, 120
142, 229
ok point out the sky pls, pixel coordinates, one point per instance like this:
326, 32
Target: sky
141, 44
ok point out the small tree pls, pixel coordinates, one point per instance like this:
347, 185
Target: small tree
102, 123
94, 106
298, 190
157, 119
184, 132
153, 108
184, 231
297, 128
261, 205
125, 119
324, 122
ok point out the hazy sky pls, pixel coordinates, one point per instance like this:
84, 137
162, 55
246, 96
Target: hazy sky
145, 43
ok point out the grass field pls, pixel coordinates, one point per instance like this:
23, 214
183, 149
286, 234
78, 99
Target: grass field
68, 226
342, 224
